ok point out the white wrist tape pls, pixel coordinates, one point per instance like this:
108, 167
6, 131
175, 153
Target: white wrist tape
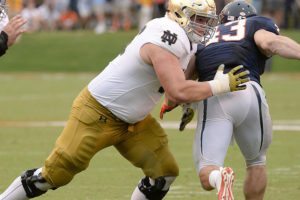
219, 85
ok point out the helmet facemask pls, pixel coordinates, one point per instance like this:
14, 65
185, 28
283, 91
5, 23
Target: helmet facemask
200, 26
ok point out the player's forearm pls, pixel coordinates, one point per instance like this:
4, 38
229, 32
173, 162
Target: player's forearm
285, 47
191, 91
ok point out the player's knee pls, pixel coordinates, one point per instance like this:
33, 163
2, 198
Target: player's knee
62, 175
29, 181
174, 171
156, 190
61, 171
258, 160
58, 176
169, 167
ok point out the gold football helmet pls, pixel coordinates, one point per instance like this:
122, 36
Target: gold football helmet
197, 17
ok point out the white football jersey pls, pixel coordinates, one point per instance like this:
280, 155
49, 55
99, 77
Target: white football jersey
128, 86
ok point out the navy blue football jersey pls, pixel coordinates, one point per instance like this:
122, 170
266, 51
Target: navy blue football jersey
233, 44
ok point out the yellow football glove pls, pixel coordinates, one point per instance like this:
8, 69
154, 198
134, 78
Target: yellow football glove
229, 82
187, 116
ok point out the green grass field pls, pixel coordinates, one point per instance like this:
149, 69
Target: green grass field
45, 97
39, 78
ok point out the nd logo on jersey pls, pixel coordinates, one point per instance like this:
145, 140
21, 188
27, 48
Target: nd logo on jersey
169, 37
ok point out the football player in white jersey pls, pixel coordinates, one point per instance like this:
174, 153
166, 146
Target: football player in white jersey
9, 30
114, 109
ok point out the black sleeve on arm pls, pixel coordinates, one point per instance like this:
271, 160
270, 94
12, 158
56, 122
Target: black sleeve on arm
3, 42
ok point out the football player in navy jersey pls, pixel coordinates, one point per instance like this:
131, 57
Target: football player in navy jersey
247, 39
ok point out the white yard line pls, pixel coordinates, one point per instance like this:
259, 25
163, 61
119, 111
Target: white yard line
277, 125
280, 125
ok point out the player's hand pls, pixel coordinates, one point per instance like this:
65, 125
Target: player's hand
166, 107
238, 78
14, 29
232, 81
187, 116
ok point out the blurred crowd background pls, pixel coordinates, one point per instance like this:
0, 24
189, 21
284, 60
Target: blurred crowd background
103, 16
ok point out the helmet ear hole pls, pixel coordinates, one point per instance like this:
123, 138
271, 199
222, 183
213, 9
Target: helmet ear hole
177, 15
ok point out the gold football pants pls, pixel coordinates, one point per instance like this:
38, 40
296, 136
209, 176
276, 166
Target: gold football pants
91, 127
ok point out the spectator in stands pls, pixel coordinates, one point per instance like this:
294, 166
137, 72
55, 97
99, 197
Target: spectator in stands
49, 15
275, 10
74, 5
145, 12
62, 5
15, 7
220, 5
159, 8
296, 12
85, 12
258, 4
31, 14
121, 16
68, 19
291, 14
99, 8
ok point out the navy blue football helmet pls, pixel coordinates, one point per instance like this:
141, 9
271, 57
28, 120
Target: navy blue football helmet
236, 10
